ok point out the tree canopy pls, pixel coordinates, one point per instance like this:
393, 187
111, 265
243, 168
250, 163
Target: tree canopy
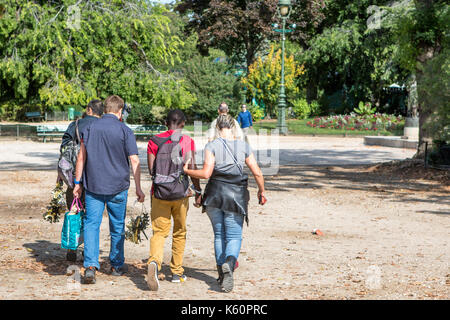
66, 52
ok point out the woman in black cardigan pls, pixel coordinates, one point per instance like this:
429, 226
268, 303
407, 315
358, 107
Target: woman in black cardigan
226, 195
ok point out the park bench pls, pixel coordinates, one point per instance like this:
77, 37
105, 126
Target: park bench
50, 131
34, 115
146, 130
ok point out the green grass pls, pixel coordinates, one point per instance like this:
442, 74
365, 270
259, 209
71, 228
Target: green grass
300, 127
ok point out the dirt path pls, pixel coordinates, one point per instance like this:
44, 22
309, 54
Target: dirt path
385, 237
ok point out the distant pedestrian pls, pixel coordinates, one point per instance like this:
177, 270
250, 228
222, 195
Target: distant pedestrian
108, 147
245, 120
213, 132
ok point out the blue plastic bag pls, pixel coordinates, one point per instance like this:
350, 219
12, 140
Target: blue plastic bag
72, 231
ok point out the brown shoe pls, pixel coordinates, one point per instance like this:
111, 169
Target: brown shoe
152, 276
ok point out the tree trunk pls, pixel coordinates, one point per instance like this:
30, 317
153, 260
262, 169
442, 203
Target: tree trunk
428, 52
424, 119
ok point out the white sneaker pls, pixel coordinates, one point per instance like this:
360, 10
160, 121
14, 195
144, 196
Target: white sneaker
152, 276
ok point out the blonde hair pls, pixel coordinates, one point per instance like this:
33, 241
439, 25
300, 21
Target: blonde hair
225, 121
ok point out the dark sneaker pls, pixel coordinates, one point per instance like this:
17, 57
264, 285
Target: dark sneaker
89, 275
228, 269
220, 272
176, 278
152, 276
71, 255
119, 271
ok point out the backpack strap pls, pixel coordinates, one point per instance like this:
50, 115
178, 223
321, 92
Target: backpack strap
159, 145
77, 133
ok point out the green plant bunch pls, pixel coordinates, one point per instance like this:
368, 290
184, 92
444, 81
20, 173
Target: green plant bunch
365, 109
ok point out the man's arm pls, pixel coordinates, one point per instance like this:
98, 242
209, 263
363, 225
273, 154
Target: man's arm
79, 167
136, 168
250, 118
239, 119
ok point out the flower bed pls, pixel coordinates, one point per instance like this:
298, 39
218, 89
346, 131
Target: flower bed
373, 122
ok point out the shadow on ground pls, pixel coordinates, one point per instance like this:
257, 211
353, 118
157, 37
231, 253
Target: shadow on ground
361, 178
138, 273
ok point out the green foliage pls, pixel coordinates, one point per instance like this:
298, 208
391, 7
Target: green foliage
416, 28
365, 109
53, 56
257, 112
264, 78
420, 31
346, 60
211, 79
302, 109
241, 28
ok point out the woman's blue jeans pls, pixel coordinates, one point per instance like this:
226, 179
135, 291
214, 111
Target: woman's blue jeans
116, 206
227, 227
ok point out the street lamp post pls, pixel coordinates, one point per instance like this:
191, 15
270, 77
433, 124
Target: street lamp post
284, 10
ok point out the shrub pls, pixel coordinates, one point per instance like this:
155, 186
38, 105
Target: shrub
301, 108
257, 113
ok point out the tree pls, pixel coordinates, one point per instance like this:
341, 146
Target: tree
421, 33
212, 81
264, 77
57, 53
241, 28
347, 61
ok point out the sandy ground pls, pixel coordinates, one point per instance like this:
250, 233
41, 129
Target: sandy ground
385, 236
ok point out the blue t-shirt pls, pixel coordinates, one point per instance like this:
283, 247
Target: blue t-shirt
245, 119
108, 143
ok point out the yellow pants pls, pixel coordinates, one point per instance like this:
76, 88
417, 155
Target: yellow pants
161, 213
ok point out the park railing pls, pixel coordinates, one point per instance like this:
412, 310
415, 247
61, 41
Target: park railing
17, 130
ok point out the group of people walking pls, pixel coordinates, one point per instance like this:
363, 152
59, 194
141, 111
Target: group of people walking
102, 178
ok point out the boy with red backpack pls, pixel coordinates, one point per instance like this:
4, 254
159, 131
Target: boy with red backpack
166, 155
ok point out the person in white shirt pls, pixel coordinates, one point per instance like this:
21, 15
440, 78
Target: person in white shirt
213, 132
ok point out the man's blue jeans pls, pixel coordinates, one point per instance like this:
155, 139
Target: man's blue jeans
95, 205
227, 227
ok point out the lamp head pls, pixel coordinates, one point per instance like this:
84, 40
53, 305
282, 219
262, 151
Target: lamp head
284, 7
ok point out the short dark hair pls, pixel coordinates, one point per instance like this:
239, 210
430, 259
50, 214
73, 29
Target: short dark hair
175, 117
96, 106
113, 104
